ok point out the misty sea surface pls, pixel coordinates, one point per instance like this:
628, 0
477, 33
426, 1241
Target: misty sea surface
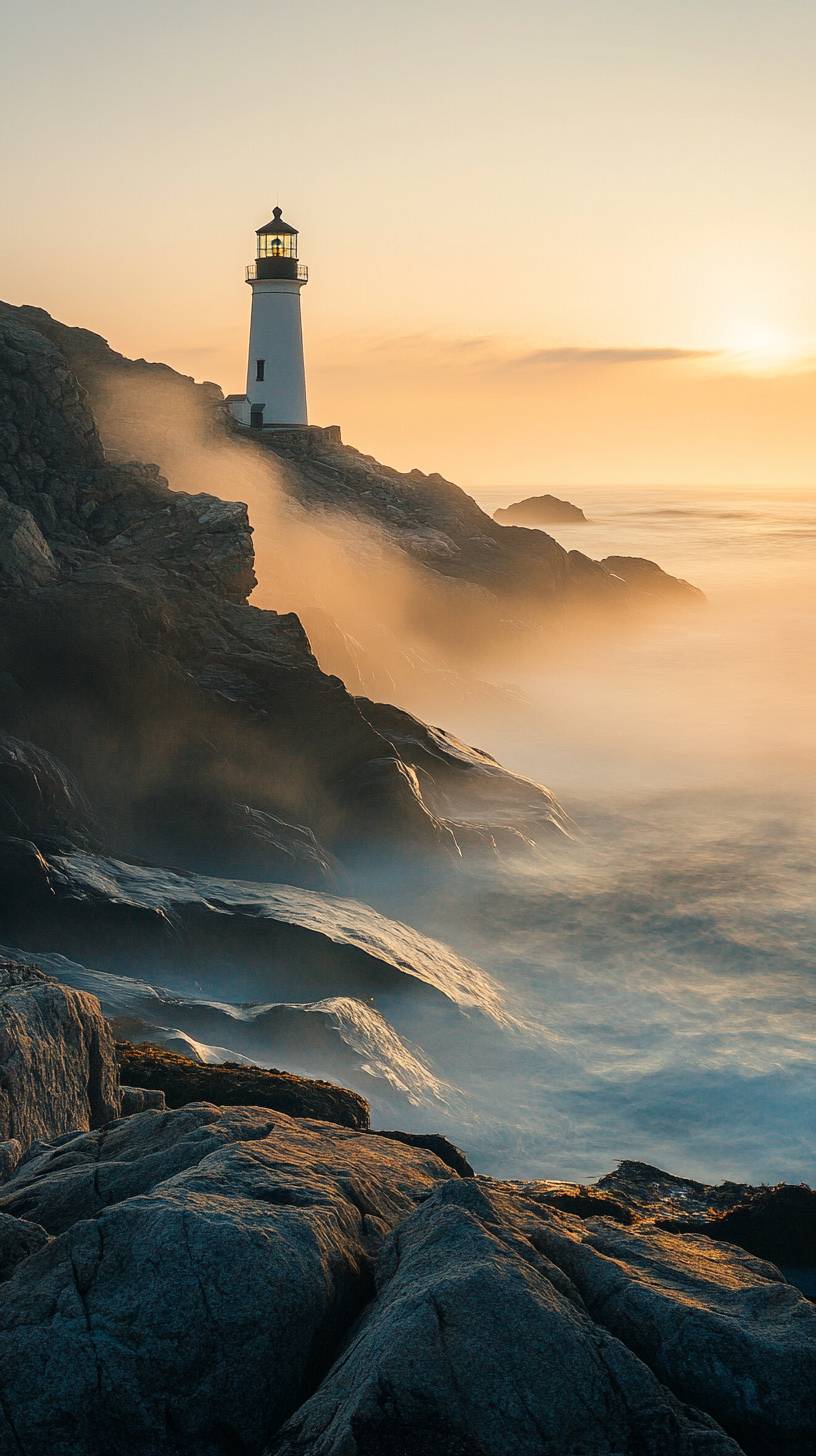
662, 965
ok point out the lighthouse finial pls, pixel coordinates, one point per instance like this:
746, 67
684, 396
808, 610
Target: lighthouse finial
276, 212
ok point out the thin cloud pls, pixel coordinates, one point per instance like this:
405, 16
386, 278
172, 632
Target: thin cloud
594, 356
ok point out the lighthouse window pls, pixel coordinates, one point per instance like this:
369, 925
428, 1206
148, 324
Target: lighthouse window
259, 368
271, 245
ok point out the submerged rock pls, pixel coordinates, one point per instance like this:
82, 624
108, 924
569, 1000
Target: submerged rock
182, 1080
57, 1063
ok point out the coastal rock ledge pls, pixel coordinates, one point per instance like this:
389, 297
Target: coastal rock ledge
218, 1280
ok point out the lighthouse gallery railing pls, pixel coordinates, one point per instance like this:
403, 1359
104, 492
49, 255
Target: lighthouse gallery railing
300, 272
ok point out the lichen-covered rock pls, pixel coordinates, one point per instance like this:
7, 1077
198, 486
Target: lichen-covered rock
57, 1061
232, 1084
477, 1345
195, 1315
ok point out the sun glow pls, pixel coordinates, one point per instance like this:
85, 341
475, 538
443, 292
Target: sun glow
760, 349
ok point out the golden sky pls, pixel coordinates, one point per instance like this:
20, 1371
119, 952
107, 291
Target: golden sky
549, 243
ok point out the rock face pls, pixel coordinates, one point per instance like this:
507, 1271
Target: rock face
650, 580
57, 1062
495, 1330
18, 1239
539, 510
469, 1316
229, 1279
230, 1085
201, 728
195, 1313
747, 1353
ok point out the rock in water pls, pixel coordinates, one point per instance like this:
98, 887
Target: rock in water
57, 1061
197, 1314
539, 510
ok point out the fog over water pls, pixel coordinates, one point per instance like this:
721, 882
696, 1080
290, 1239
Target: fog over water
656, 970
672, 949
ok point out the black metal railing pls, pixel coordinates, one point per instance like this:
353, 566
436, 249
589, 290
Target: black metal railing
277, 268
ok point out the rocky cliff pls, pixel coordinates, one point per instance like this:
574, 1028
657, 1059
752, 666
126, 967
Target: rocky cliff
142, 410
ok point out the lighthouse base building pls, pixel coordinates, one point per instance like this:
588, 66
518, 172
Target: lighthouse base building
276, 376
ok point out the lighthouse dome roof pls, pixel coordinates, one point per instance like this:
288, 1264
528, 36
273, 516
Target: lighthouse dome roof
277, 225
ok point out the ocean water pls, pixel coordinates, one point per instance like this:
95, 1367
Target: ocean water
662, 965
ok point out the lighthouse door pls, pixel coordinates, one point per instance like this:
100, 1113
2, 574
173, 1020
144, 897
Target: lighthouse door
256, 416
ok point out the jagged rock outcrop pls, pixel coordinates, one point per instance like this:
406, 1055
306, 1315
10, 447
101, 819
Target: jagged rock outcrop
650, 580
57, 1060
195, 1314
429, 519
444, 1149
38, 796
280, 941
719, 1327
466, 788
539, 510
776, 1223
233, 1085
200, 728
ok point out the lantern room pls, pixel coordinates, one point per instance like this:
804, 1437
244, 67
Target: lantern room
277, 251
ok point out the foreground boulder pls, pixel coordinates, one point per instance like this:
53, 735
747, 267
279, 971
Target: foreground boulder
477, 1345
198, 1311
719, 1327
57, 1062
231, 1084
210, 1281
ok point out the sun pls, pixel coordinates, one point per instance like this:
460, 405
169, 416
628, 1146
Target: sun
761, 349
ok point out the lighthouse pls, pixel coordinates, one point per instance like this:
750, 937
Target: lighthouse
276, 377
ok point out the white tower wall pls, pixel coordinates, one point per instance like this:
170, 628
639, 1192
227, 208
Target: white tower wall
276, 337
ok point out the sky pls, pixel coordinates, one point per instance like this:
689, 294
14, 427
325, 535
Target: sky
549, 244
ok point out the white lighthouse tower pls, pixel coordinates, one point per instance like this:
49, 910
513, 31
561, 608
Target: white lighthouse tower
276, 377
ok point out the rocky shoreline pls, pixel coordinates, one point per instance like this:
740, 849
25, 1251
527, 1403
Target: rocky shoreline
202, 1254
218, 1278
